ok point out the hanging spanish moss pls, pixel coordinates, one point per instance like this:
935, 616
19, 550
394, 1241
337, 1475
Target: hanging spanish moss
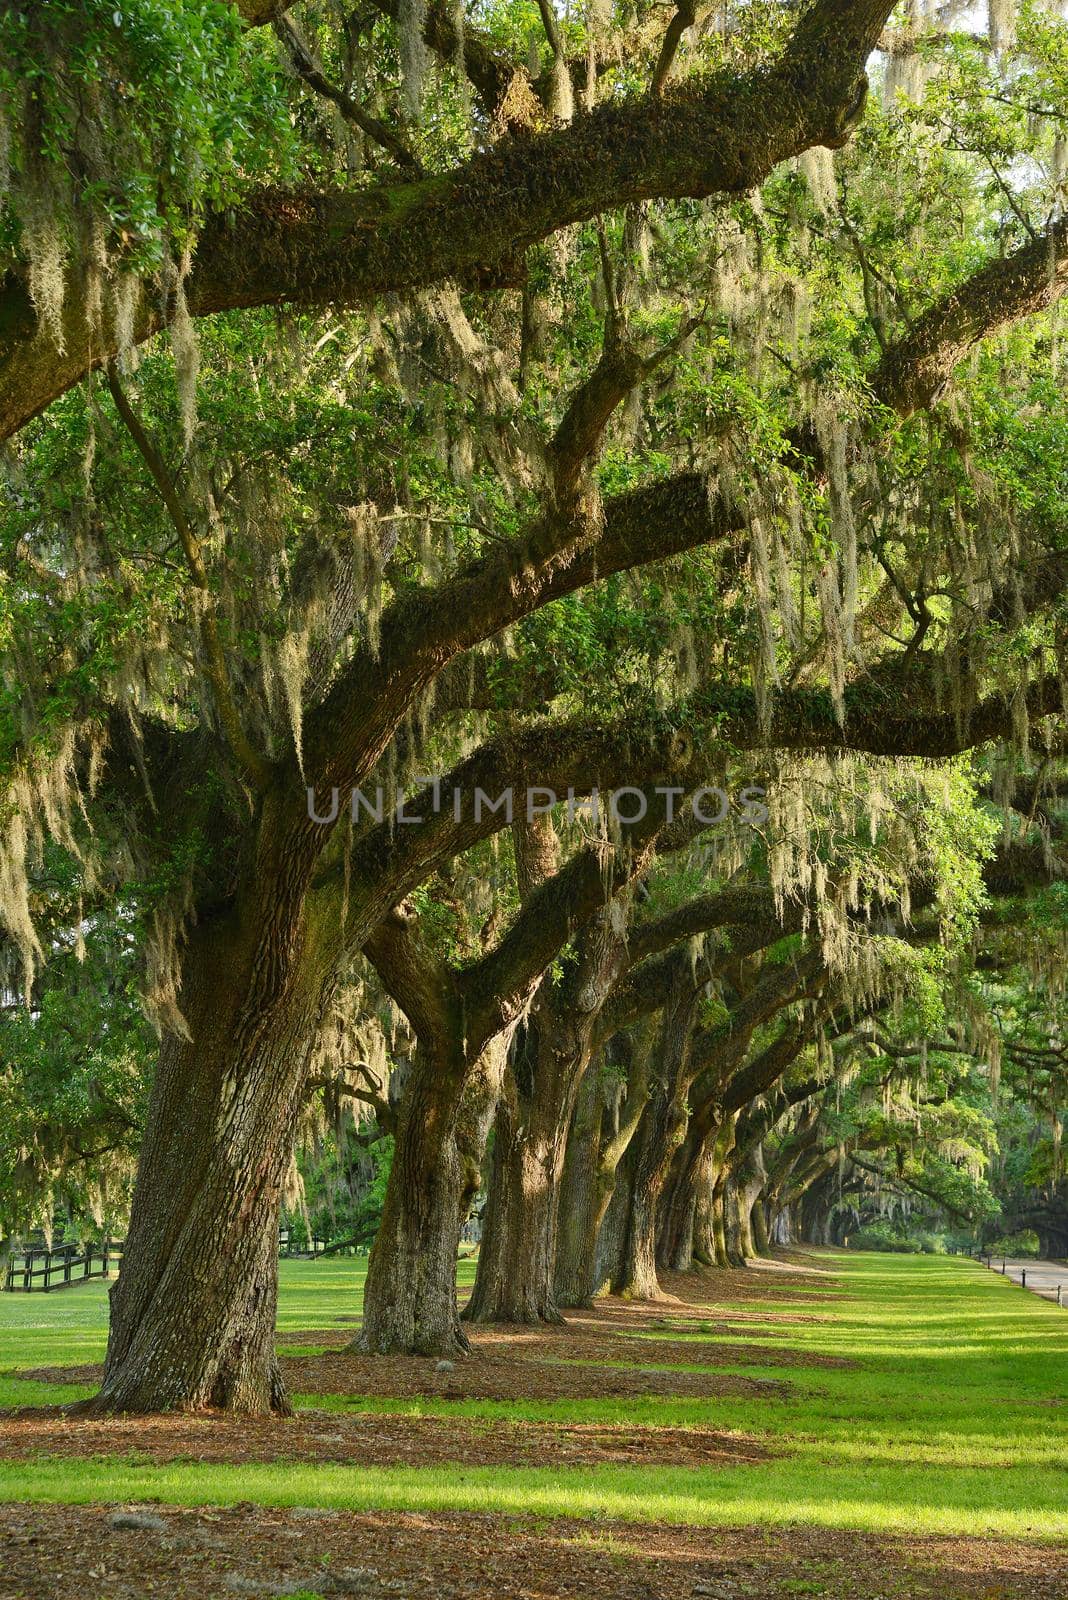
411, 47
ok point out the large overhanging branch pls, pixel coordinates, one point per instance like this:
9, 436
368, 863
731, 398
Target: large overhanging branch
424, 629
899, 1179
444, 820
719, 134
717, 1052
886, 714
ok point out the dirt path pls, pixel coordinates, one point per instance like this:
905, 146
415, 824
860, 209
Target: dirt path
371, 1440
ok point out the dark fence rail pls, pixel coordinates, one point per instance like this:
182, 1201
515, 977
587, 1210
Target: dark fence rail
38, 1269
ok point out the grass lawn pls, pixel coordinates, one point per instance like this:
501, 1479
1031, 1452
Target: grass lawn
950, 1420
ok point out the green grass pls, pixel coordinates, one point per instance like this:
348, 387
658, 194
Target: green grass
69, 1327
954, 1418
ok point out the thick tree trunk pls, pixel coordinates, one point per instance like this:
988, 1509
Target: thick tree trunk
612, 1238
193, 1310
684, 1222
410, 1303
515, 1281
690, 1181
720, 1245
600, 1138
704, 1230
583, 1199
736, 1218
638, 1279
678, 1207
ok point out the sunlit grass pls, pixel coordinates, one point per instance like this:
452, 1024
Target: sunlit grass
898, 1499
951, 1418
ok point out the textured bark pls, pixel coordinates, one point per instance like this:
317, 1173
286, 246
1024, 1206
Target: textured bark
517, 1262
410, 1304
662, 1128
410, 1295
613, 1235
914, 372
514, 1282
759, 1224
720, 1252
193, 1310
692, 1172
736, 1202
601, 1136
677, 1246
581, 1211
704, 1238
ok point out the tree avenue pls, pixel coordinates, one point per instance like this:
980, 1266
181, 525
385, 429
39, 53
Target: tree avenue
533, 589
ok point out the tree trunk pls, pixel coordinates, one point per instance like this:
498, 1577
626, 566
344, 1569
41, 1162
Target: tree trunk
721, 1248
704, 1229
583, 1199
684, 1222
516, 1279
410, 1303
517, 1258
678, 1206
612, 1238
691, 1176
759, 1224
193, 1309
662, 1130
736, 1219
600, 1139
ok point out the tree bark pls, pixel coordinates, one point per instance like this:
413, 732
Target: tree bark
662, 1129
704, 1229
736, 1216
600, 1138
581, 1206
517, 1258
517, 1262
193, 1310
759, 1224
410, 1304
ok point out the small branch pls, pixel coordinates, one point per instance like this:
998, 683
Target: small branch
620, 369
305, 67
684, 18
552, 28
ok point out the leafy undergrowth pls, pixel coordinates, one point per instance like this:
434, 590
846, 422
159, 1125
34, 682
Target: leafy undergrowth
861, 1398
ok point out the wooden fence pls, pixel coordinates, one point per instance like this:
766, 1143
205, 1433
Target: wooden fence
38, 1269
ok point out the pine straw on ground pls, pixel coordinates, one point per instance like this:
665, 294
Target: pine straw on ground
71, 1552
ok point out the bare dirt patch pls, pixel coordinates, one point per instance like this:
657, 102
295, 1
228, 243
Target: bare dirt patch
70, 1552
